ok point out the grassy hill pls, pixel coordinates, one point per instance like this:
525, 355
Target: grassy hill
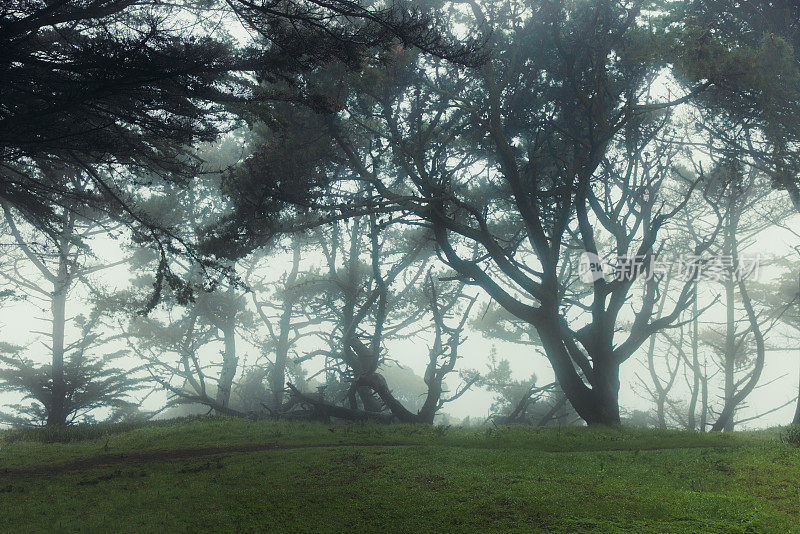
228, 475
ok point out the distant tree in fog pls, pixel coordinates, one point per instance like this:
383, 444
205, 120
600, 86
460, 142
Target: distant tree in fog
46, 265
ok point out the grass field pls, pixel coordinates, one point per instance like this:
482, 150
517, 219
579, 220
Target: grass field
227, 475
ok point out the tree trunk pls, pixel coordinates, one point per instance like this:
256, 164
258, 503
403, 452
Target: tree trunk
277, 376
229, 360
661, 392
606, 394
326, 410
692, 417
704, 405
229, 364
796, 418
725, 421
57, 412
598, 405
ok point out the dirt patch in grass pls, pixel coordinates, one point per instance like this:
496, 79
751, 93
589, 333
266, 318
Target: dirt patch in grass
105, 460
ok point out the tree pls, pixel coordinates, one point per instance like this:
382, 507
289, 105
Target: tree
196, 313
752, 112
283, 306
376, 286
88, 383
124, 89
101, 83
745, 209
780, 297
522, 401
744, 53
552, 137
47, 265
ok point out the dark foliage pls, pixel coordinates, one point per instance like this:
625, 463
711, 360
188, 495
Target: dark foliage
89, 384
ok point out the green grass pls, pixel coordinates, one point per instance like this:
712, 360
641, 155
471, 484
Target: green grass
395, 479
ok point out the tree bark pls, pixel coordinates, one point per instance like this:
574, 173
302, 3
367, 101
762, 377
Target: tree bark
796, 418
692, 416
729, 360
229, 365
605, 393
598, 405
57, 413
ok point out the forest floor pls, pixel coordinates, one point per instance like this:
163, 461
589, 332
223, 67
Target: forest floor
229, 475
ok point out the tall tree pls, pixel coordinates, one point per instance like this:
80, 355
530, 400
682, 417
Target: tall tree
283, 304
194, 314
552, 137
745, 208
48, 265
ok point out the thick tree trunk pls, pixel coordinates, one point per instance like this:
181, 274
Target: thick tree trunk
596, 405
725, 419
604, 412
605, 393
277, 375
431, 405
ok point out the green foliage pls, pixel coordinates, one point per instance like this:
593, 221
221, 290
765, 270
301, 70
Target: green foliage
91, 383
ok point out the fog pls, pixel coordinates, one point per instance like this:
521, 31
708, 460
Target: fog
391, 218
25, 320
399, 266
